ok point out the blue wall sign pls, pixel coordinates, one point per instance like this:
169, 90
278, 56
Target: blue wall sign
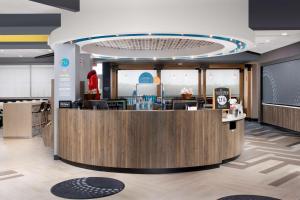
146, 77
65, 62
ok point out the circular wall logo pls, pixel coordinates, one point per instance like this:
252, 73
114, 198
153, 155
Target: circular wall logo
146, 77
65, 62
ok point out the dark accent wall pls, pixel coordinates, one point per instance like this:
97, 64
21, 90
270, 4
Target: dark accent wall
27, 61
106, 80
71, 5
16, 24
274, 14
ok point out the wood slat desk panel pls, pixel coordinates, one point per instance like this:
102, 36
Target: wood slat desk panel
233, 140
141, 139
282, 116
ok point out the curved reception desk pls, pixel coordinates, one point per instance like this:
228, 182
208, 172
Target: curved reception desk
148, 141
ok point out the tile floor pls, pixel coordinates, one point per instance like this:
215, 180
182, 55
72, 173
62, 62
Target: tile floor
269, 165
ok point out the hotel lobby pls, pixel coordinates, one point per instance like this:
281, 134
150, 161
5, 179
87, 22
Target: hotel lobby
150, 100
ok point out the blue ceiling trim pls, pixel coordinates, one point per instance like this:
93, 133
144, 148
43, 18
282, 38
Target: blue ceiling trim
239, 44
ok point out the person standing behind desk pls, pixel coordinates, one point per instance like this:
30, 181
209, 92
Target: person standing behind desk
93, 84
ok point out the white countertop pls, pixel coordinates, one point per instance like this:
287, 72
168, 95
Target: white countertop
231, 119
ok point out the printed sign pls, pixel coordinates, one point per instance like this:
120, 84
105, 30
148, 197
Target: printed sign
146, 77
221, 98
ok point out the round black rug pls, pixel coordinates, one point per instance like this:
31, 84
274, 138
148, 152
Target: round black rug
87, 188
247, 197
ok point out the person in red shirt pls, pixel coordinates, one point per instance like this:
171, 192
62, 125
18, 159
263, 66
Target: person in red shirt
93, 84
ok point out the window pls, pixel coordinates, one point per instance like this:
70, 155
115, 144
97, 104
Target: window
41, 76
128, 79
223, 78
15, 81
175, 80
26, 80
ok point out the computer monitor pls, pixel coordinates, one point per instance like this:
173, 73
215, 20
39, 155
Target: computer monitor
97, 105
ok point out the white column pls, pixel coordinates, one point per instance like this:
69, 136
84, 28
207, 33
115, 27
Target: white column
66, 79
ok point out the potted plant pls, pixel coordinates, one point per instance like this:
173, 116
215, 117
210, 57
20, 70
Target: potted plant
186, 93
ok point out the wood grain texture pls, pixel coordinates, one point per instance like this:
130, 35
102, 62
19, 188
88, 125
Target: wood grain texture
233, 140
282, 116
141, 139
19, 121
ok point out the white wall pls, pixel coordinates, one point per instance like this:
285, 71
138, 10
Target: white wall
25, 80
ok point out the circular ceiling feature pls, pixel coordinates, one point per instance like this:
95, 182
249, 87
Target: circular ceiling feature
155, 44
159, 46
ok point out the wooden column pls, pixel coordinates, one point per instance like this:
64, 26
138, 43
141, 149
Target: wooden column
242, 79
199, 83
249, 92
204, 84
158, 71
114, 83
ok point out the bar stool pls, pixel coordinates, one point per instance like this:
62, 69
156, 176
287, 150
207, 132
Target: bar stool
41, 111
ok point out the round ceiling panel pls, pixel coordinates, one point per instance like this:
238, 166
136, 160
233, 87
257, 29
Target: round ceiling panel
159, 46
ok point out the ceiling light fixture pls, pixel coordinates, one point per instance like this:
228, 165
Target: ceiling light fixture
154, 58
267, 41
174, 58
284, 34
192, 57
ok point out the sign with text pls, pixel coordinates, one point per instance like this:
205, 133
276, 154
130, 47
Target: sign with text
221, 98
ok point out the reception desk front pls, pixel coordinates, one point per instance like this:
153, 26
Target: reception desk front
148, 141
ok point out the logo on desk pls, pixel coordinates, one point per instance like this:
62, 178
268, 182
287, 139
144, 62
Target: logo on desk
65, 62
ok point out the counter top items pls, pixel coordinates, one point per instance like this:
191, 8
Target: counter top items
95, 105
186, 93
221, 98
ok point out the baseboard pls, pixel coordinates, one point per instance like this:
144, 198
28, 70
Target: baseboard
292, 132
251, 119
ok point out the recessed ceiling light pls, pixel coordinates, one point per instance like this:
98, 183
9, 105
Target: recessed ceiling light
284, 34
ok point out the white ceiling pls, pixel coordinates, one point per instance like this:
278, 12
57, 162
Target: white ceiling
265, 40
269, 40
8, 53
25, 6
